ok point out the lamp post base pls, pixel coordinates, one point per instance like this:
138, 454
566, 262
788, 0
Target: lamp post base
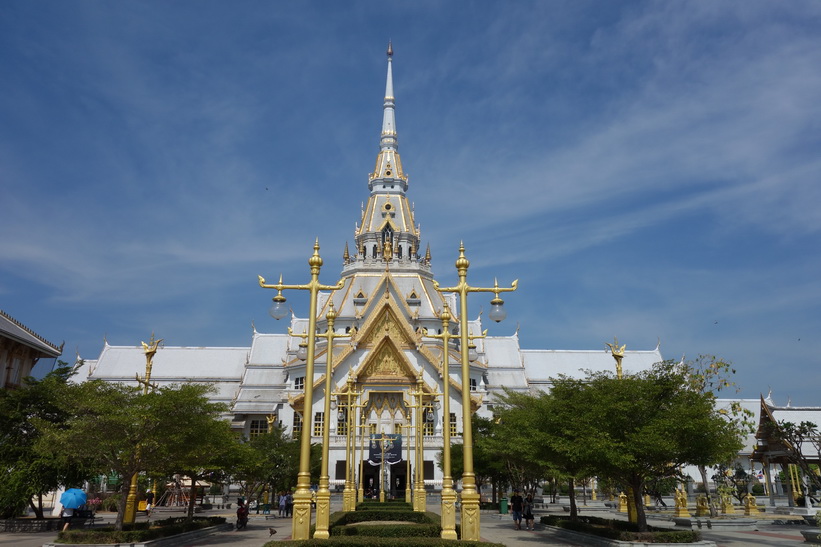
470, 517
419, 502
323, 514
301, 521
449, 514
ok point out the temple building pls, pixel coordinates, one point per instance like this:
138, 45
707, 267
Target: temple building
386, 317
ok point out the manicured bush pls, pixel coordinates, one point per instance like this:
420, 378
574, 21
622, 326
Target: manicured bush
139, 531
621, 530
365, 541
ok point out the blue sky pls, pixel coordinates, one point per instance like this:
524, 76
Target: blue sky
648, 170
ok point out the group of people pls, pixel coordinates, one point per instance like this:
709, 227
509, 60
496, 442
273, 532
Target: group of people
522, 508
286, 503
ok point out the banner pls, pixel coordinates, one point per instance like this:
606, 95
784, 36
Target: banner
389, 444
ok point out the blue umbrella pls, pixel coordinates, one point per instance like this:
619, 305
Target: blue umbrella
73, 498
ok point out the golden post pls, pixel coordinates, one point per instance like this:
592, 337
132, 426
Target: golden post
470, 495
448, 493
149, 350
349, 493
302, 495
323, 494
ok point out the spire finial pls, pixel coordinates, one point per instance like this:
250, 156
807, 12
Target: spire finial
390, 49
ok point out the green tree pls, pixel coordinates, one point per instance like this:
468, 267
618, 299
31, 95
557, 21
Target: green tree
271, 459
647, 425
487, 467
544, 424
711, 374
28, 473
114, 427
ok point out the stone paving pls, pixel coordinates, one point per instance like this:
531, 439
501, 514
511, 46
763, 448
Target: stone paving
495, 528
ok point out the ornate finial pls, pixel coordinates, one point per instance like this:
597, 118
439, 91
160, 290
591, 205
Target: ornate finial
618, 354
427, 254
390, 49
346, 257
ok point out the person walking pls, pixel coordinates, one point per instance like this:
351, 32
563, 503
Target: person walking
516, 506
527, 511
66, 514
283, 501
242, 514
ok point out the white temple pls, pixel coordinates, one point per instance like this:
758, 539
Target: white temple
388, 306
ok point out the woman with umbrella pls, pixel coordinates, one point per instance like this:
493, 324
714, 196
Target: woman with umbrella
71, 499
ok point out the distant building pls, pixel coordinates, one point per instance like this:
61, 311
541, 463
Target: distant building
20, 349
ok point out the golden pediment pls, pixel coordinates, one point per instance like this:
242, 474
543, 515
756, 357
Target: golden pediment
386, 364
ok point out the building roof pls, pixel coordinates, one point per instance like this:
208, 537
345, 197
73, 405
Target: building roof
14, 330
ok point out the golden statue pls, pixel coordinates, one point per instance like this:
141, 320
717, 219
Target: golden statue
681, 504
750, 507
387, 252
702, 506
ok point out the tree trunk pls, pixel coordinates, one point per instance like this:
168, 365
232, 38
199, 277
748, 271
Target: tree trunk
571, 491
711, 503
641, 517
124, 488
38, 509
192, 497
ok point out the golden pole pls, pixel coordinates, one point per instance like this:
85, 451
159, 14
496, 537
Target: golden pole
301, 528
418, 483
149, 350
470, 495
407, 428
349, 493
617, 352
361, 493
448, 493
323, 494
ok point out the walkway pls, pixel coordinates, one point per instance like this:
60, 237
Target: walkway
495, 528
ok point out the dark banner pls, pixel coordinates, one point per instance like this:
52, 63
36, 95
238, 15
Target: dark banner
389, 444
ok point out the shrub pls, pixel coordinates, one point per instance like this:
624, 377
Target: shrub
139, 531
365, 541
621, 530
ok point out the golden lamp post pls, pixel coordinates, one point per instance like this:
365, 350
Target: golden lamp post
617, 352
301, 529
470, 495
349, 493
419, 501
361, 493
448, 493
407, 428
323, 494
149, 350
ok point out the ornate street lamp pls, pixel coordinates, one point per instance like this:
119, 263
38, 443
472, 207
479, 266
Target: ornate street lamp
448, 493
346, 413
302, 496
149, 350
470, 495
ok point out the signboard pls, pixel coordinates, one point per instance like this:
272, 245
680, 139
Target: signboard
389, 444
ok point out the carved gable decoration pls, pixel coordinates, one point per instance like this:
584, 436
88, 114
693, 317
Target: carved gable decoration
386, 326
386, 364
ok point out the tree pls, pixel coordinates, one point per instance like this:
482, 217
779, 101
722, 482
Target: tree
28, 473
271, 459
487, 465
795, 437
711, 374
114, 427
632, 429
541, 424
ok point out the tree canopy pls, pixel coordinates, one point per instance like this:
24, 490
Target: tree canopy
644, 425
